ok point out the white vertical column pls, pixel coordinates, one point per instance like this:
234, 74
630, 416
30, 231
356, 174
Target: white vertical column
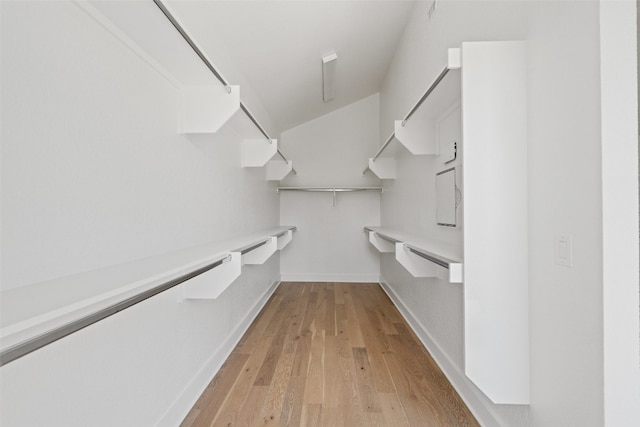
621, 317
494, 100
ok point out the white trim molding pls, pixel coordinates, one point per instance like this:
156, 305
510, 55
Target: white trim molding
465, 388
181, 406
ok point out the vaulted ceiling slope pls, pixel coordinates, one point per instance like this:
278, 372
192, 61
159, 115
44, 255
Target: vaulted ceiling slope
278, 45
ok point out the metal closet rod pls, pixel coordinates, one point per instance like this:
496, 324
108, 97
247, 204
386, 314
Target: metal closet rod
329, 189
211, 68
436, 259
387, 238
413, 110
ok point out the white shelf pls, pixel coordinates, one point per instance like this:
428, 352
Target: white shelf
383, 167
284, 239
421, 257
259, 255
32, 311
277, 170
211, 284
205, 109
416, 136
257, 152
413, 263
380, 243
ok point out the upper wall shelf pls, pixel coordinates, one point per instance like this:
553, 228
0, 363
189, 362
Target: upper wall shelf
36, 315
207, 100
215, 72
417, 132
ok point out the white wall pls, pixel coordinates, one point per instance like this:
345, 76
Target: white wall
94, 174
331, 151
564, 197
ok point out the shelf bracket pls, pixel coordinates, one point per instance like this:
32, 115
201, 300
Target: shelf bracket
277, 170
417, 266
205, 109
212, 284
257, 152
383, 167
418, 135
380, 244
285, 239
261, 254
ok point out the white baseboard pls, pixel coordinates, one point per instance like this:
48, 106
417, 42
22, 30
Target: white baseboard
353, 278
190, 394
472, 398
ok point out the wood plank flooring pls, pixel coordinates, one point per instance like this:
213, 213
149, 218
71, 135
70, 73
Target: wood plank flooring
329, 354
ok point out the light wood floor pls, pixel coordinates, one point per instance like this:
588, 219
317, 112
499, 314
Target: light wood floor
325, 354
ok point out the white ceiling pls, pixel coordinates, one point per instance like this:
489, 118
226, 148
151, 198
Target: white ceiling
278, 45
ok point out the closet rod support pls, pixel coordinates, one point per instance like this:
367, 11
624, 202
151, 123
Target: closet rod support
429, 257
255, 246
388, 239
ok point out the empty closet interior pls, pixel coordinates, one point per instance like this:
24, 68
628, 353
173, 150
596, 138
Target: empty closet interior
167, 164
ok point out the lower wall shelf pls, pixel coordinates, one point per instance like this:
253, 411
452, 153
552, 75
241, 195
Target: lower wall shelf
419, 257
37, 315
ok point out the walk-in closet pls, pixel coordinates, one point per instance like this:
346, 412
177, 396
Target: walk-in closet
319, 213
